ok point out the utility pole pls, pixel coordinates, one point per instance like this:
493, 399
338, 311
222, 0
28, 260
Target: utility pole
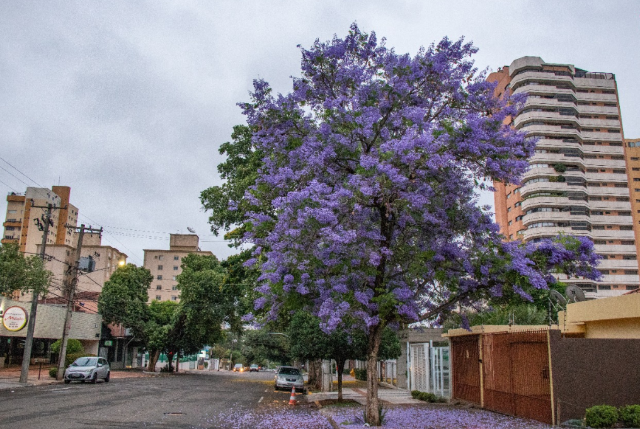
28, 344
71, 291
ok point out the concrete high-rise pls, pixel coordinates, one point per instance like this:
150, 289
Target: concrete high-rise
577, 182
166, 265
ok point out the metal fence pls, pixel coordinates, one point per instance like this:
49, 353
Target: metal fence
465, 363
516, 374
507, 372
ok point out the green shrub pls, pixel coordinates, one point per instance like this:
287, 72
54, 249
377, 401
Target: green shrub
630, 416
53, 372
560, 168
361, 374
415, 394
426, 396
73, 346
601, 416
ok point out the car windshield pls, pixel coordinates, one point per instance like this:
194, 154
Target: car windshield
254, 366
85, 361
289, 371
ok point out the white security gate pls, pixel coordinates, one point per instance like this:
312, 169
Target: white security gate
440, 371
420, 367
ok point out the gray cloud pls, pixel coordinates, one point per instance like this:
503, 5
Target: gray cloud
128, 102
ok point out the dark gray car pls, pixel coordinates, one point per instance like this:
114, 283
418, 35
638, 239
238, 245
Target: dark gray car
288, 377
88, 369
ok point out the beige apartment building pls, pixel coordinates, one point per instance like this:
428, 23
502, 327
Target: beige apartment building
578, 182
21, 227
22, 220
165, 265
632, 154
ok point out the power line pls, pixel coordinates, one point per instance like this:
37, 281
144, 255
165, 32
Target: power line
25, 183
21, 172
8, 186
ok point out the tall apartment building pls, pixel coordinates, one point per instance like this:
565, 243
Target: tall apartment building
166, 265
20, 225
577, 183
632, 154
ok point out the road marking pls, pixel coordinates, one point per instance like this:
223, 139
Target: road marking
260, 400
57, 390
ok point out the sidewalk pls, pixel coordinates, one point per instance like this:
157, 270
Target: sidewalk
388, 396
9, 377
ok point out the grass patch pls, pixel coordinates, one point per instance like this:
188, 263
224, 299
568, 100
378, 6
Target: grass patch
334, 403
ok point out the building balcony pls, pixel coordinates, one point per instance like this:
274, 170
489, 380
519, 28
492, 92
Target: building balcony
610, 234
615, 249
12, 222
604, 163
608, 192
545, 116
550, 231
530, 203
595, 80
606, 177
599, 123
594, 97
549, 187
553, 217
541, 77
597, 110
599, 136
618, 264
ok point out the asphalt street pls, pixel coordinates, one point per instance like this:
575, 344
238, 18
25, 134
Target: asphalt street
202, 400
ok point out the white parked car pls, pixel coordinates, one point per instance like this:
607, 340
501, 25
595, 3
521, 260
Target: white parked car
88, 369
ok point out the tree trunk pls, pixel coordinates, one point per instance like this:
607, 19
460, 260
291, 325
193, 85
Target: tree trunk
153, 359
315, 374
177, 362
340, 370
170, 357
372, 406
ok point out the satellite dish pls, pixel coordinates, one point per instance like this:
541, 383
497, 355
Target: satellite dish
574, 293
191, 230
557, 297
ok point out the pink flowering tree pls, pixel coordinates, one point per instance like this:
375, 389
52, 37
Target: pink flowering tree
365, 207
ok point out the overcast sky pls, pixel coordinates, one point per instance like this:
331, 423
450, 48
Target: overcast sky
127, 102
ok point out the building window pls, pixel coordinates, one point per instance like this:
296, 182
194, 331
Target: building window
176, 258
174, 298
174, 287
159, 277
159, 267
175, 268
604, 287
158, 287
175, 278
632, 287
158, 297
631, 272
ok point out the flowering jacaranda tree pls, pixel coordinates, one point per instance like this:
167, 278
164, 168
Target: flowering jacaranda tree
365, 204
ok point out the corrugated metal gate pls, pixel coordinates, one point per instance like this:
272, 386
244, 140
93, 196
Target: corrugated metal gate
516, 374
465, 365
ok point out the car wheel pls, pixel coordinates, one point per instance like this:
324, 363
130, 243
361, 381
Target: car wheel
94, 378
108, 377
67, 381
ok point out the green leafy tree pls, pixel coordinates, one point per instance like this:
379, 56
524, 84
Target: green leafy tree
21, 273
239, 172
124, 297
309, 342
260, 346
157, 329
207, 303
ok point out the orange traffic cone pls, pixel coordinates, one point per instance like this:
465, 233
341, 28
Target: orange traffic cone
292, 399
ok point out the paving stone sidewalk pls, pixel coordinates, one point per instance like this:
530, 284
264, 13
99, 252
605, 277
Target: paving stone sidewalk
389, 396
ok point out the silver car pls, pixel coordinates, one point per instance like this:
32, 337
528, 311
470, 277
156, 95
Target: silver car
88, 369
288, 377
